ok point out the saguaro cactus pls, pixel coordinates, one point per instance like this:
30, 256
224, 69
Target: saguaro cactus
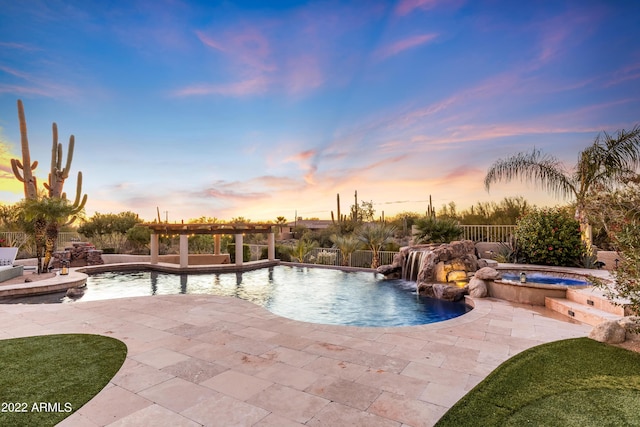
23, 171
58, 174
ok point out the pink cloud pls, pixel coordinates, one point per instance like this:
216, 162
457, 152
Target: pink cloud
304, 74
246, 48
18, 46
630, 72
304, 161
405, 7
563, 33
302, 156
36, 85
242, 88
402, 45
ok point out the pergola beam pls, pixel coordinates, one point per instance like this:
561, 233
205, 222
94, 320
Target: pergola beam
184, 230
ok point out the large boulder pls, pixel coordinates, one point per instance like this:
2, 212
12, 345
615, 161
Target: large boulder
631, 324
487, 273
391, 271
448, 292
442, 291
477, 288
610, 332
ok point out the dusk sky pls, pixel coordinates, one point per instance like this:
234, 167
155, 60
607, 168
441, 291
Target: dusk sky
261, 109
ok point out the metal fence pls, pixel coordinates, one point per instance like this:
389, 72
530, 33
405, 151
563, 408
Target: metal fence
332, 256
21, 240
488, 233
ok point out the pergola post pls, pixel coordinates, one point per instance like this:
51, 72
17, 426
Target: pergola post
239, 249
216, 244
154, 248
271, 248
184, 250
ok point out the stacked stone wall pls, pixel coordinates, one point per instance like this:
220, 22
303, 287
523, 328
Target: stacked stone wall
79, 255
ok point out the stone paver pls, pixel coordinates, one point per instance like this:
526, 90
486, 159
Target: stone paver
209, 360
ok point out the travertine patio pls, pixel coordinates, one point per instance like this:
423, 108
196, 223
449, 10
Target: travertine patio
216, 361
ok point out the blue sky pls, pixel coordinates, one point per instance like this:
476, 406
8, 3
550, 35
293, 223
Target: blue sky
227, 109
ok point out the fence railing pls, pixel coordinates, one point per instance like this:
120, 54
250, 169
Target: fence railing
488, 233
362, 258
19, 239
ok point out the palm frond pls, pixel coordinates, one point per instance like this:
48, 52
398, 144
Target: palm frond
540, 169
609, 159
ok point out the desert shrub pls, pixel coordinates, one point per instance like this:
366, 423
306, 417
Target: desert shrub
549, 237
326, 257
201, 244
282, 253
139, 238
434, 230
246, 252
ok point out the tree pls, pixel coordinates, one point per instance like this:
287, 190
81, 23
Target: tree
139, 238
374, 236
365, 212
506, 212
347, 245
606, 163
621, 209
109, 230
281, 221
44, 216
404, 221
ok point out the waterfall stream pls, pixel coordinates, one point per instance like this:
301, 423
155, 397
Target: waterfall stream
411, 267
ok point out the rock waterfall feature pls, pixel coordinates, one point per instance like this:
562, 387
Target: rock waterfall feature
440, 270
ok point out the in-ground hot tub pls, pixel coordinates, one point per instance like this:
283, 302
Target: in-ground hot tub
540, 282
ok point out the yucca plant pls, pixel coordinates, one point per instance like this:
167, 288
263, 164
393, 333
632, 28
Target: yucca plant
433, 230
301, 250
347, 244
374, 236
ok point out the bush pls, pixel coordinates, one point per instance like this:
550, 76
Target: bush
139, 238
550, 237
246, 252
201, 244
432, 230
326, 258
282, 253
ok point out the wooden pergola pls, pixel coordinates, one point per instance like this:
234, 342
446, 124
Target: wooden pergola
216, 230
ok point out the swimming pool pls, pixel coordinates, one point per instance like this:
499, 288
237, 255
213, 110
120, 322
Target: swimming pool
313, 295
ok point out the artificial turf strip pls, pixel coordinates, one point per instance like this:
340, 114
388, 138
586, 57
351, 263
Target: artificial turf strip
576, 382
44, 379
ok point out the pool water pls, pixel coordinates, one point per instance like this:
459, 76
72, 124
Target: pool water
314, 295
545, 279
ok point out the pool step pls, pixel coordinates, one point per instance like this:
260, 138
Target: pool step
594, 298
581, 312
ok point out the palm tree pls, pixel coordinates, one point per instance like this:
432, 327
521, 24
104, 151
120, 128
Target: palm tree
375, 236
281, 221
44, 216
347, 245
302, 249
606, 163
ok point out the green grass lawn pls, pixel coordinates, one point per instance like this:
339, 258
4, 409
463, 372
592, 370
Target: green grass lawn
45, 379
576, 382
